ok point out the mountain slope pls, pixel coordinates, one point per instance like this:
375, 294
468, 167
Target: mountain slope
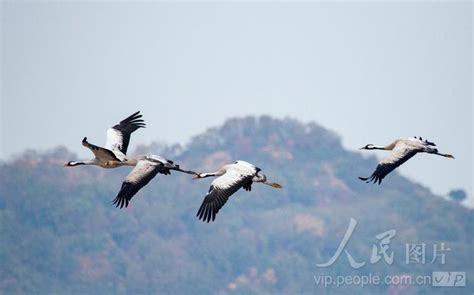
61, 234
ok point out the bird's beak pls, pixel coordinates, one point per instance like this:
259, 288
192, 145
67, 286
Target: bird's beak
362, 148
196, 177
451, 156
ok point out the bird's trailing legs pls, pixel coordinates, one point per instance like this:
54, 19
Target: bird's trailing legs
177, 168
263, 179
273, 184
445, 155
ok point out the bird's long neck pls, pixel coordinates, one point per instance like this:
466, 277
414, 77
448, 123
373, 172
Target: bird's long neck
383, 148
391, 146
91, 162
78, 163
204, 175
217, 173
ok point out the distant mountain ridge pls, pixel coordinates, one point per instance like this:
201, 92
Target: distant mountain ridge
60, 233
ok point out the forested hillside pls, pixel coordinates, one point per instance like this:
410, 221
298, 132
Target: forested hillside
60, 233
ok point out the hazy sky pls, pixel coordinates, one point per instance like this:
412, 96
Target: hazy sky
371, 72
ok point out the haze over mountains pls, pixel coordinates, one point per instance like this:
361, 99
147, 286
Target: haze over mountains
60, 233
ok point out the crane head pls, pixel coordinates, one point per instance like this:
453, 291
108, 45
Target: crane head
368, 147
73, 163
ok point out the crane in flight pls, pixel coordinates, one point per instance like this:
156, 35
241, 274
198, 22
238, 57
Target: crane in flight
401, 151
230, 178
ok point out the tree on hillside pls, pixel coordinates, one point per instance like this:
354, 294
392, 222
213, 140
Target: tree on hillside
457, 195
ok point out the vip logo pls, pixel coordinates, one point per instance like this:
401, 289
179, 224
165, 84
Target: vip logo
449, 279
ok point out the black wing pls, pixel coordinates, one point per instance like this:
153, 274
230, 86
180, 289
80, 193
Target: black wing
118, 137
388, 164
220, 191
140, 176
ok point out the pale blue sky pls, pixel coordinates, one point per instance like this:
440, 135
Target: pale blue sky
371, 72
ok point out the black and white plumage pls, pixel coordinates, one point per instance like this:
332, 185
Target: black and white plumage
146, 168
230, 179
115, 150
401, 151
118, 136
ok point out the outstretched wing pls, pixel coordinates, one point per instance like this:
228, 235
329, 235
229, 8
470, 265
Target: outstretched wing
102, 154
118, 137
140, 176
399, 155
220, 191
